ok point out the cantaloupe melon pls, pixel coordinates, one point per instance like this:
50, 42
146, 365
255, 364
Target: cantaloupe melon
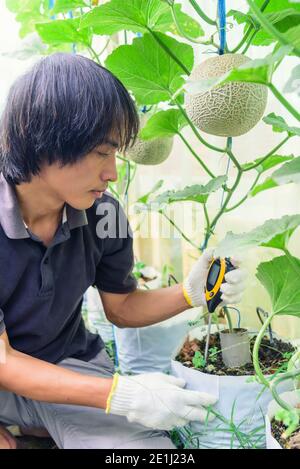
230, 110
150, 152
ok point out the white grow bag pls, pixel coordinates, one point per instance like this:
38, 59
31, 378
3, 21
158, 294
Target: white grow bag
247, 399
150, 348
292, 398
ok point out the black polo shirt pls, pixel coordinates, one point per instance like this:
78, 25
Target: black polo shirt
41, 288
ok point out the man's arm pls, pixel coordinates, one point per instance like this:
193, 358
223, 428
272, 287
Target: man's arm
42, 381
143, 308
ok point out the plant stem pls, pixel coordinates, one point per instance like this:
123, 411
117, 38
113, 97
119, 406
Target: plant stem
267, 26
233, 159
228, 319
113, 191
256, 347
250, 28
269, 154
94, 54
168, 51
283, 101
249, 42
201, 13
230, 193
285, 405
206, 218
179, 230
245, 197
292, 261
208, 145
105, 46
196, 156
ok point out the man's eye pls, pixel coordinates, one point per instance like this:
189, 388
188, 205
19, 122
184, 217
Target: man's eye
102, 154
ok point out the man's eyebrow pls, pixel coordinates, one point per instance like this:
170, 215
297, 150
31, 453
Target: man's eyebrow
112, 143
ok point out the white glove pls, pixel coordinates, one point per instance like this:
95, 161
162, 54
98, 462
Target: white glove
157, 401
194, 284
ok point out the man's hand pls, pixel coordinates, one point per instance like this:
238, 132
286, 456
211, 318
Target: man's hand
194, 284
157, 401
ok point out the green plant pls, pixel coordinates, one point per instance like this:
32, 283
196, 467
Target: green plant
198, 360
287, 414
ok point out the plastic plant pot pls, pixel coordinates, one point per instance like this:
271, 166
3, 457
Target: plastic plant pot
292, 398
242, 401
235, 347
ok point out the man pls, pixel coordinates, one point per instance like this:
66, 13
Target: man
63, 123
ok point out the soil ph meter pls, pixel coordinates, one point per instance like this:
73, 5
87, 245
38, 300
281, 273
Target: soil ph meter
215, 277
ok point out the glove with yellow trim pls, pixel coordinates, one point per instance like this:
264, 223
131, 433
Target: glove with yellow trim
157, 401
194, 285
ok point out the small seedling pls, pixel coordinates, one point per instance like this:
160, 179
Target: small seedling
290, 419
212, 352
198, 360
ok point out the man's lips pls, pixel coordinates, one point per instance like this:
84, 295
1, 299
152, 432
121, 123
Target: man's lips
98, 190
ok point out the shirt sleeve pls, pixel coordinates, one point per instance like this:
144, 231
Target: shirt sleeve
2, 325
114, 271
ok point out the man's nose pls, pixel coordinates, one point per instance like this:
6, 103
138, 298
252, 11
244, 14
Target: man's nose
110, 172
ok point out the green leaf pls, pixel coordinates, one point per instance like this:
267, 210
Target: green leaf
287, 418
254, 71
64, 6
195, 193
147, 70
267, 164
269, 183
187, 24
138, 16
22, 6
273, 233
28, 13
63, 31
144, 199
279, 125
289, 172
293, 83
163, 124
13, 5
118, 15
282, 19
198, 360
28, 22
279, 279
279, 5
293, 37
241, 17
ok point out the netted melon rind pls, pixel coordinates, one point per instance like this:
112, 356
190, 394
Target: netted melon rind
230, 110
150, 152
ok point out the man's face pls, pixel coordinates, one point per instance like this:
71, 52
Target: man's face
80, 184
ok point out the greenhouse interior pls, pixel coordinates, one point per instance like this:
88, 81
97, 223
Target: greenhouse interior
149, 225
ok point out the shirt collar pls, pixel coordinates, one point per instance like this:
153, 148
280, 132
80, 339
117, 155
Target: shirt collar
11, 218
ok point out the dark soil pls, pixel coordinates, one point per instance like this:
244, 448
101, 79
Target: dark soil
271, 356
278, 428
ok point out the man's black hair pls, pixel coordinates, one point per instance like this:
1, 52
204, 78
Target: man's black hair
59, 111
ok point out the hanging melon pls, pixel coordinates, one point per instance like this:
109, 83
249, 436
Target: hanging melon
231, 109
150, 152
